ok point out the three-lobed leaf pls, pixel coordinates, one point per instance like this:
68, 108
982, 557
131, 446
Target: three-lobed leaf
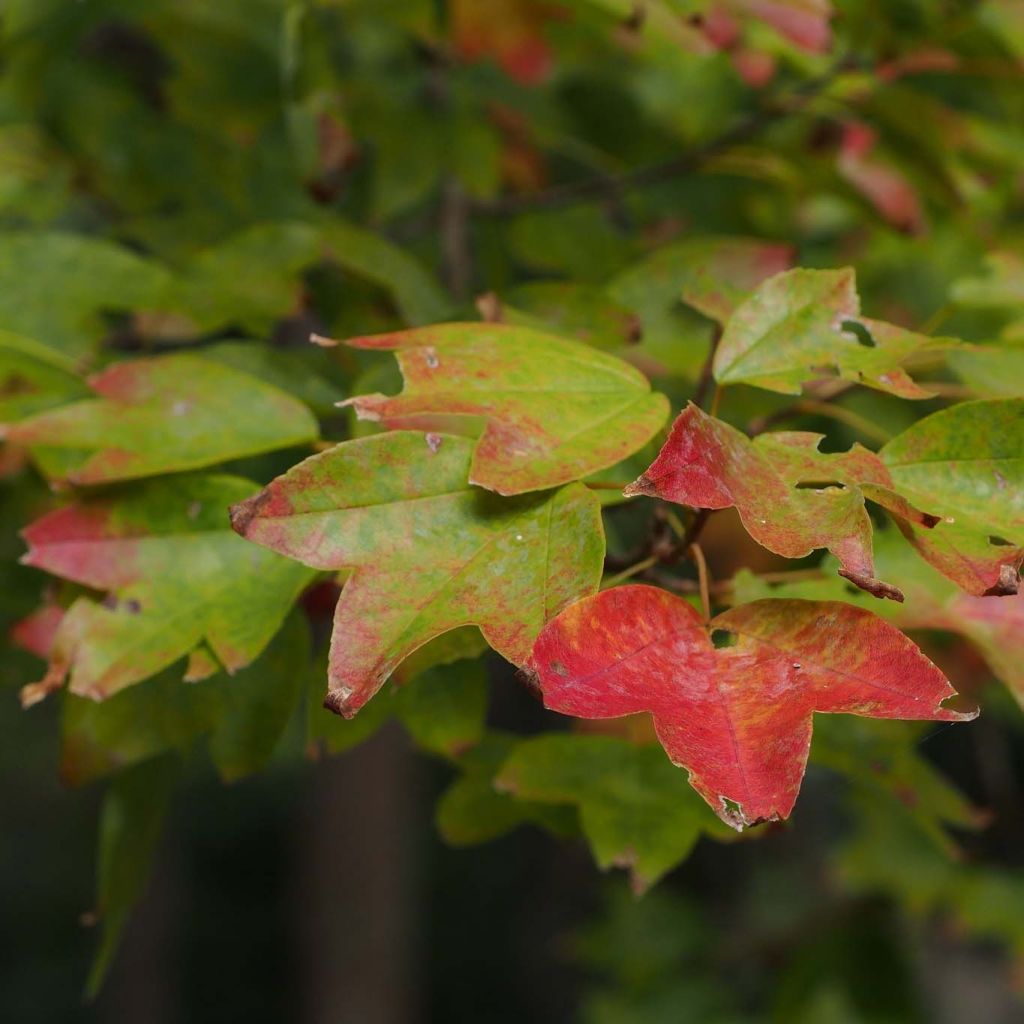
554, 410
803, 324
737, 718
430, 553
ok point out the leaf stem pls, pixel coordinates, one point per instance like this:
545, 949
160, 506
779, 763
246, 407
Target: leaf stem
606, 485
702, 576
633, 570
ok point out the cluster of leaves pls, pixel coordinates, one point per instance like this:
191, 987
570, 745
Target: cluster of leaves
163, 215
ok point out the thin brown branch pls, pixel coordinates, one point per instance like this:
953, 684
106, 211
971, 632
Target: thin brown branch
702, 577
612, 186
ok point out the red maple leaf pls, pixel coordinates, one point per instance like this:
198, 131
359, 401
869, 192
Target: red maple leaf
737, 718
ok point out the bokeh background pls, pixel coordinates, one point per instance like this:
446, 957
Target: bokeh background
232, 175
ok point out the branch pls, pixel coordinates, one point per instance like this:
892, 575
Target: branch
612, 186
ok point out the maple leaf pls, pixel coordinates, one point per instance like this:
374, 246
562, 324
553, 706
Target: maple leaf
737, 718
793, 499
587, 411
802, 324
177, 582
430, 552
162, 415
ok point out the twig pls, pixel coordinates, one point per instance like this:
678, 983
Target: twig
606, 485
612, 186
706, 378
702, 577
454, 227
633, 570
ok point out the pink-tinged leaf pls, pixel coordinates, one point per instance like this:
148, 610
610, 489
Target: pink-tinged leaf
805, 324
429, 552
793, 499
586, 411
804, 22
36, 632
509, 31
882, 184
738, 719
175, 579
162, 415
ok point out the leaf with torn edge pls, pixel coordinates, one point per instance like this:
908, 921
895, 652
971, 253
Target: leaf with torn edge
587, 411
803, 324
793, 499
430, 552
737, 718
163, 415
177, 582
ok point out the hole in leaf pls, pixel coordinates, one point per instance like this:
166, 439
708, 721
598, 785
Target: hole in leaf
722, 638
860, 332
818, 485
1000, 542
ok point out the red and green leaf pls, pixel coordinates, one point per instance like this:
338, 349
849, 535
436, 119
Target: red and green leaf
430, 553
793, 499
163, 415
554, 410
176, 582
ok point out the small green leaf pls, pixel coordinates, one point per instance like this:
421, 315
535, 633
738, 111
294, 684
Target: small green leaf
131, 823
473, 811
444, 707
636, 808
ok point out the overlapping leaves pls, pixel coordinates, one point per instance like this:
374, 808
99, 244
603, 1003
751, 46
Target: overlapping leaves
176, 581
963, 465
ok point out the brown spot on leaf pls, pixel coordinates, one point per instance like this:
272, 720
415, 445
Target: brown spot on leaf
340, 702
642, 485
245, 512
1008, 583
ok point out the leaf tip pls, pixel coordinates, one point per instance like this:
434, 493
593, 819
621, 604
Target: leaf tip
642, 485
340, 702
244, 512
322, 342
